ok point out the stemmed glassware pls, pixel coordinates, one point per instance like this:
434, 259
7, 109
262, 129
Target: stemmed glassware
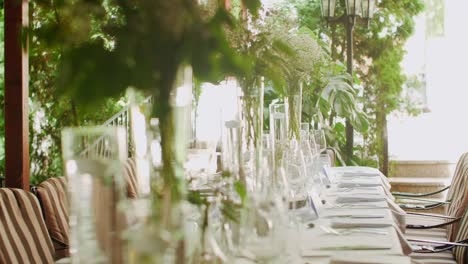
296, 170
319, 136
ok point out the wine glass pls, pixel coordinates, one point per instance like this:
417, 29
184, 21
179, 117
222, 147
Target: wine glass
319, 136
295, 166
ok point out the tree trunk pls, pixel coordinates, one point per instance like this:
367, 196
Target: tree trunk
382, 140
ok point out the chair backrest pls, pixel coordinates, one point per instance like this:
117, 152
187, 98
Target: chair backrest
130, 175
461, 253
459, 175
458, 194
53, 197
332, 156
23, 233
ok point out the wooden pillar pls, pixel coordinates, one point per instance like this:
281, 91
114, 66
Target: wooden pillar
16, 95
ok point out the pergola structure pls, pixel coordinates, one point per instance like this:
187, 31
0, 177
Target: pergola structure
16, 94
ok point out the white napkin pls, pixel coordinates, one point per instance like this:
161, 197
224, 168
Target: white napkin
327, 247
359, 198
355, 215
360, 174
362, 205
375, 259
353, 223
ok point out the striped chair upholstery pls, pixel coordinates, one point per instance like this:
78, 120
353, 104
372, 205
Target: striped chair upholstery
23, 233
53, 197
458, 194
130, 175
461, 253
457, 256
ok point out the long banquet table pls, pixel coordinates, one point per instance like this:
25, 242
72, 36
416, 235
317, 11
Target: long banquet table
357, 203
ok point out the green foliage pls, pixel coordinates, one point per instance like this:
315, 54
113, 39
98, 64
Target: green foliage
144, 45
329, 99
435, 18
241, 191
264, 54
48, 112
378, 51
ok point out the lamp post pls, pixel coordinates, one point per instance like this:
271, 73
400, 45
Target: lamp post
354, 9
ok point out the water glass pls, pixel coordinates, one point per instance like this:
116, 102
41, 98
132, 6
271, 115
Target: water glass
262, 228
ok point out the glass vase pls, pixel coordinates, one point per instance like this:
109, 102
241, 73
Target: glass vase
295, 109
262, 228
160, 238
93, 166
278, 139
233, 171
209, 247
251, 102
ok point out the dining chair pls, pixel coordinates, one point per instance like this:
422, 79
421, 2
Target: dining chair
331, 152
53, 198
441, 226
23, 234
130, 175
458, 177
442, 251
461, 253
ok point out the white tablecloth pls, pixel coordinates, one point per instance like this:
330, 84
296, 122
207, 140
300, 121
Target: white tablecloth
357, 198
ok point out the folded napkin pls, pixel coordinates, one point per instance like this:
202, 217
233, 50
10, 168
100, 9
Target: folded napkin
327, 248
360, 174
375, 259
356, 216
398, 214
335, 190
359, 198
349, 184
354, 223
362, 205
405, 245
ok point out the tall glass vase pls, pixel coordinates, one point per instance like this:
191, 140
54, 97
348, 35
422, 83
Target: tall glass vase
295, 109
278, 138
160, 239
251, 103
232, 152
92, 160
